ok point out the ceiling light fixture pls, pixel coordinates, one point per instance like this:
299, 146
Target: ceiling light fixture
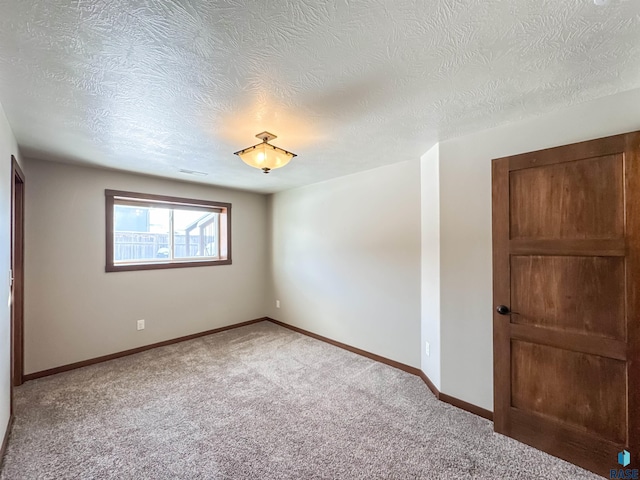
265, 156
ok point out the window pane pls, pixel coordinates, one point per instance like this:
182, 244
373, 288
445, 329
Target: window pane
150, 231
141, 233
195, 233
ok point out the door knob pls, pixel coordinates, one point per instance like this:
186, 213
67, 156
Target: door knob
503, 310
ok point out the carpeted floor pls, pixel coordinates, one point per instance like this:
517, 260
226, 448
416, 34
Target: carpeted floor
257, 402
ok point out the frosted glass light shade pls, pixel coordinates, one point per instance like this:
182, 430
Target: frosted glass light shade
265, 156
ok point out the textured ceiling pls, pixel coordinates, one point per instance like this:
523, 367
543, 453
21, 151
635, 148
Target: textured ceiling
155, 86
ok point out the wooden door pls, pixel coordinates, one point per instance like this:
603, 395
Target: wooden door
566, 266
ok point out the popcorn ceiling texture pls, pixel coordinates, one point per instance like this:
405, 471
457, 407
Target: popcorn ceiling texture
157, 85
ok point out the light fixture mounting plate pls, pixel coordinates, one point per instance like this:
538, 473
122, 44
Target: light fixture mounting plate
266, 136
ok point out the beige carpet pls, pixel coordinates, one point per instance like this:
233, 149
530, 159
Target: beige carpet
258, 402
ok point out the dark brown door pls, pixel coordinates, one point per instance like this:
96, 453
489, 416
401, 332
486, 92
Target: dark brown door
17, 272
566, 265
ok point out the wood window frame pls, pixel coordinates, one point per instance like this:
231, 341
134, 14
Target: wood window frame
110, 202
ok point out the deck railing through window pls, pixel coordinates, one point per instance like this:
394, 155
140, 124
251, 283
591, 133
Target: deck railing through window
129, 246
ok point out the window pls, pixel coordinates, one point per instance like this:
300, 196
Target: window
147, 232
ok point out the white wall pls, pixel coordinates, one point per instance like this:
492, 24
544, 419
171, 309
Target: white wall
346, 260
465, 229
8, 147
430, 263
75, 311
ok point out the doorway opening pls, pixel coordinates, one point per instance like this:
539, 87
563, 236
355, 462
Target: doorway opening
17, 275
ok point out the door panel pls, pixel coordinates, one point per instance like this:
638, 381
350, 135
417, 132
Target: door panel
576, 393
579, 199
566, 240
577, 294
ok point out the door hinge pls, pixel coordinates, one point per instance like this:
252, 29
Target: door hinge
11, 277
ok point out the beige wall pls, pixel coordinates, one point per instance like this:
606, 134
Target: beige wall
8, 147
430, 264
465, 229
346, 260
382, 260
76, 311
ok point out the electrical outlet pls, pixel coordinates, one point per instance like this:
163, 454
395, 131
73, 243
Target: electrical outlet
277, 303
141, 324
426, 348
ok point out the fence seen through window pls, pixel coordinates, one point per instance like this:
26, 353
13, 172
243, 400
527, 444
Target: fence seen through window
148, 230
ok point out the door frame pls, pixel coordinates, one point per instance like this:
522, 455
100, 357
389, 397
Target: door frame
17, 267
